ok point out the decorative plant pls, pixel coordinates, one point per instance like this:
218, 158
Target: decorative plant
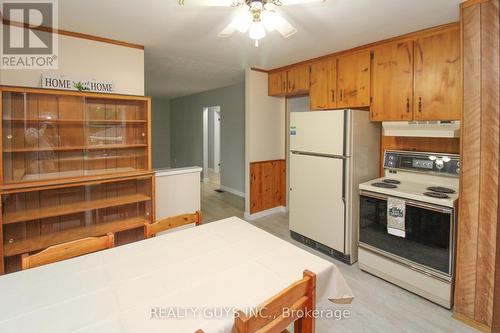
79, 85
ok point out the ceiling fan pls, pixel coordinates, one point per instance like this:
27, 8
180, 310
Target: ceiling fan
255, 16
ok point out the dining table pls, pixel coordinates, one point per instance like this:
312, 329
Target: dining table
182, 281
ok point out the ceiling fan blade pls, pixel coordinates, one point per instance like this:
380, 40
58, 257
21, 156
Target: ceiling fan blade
221, 3
298, 2
227, 31
284, 27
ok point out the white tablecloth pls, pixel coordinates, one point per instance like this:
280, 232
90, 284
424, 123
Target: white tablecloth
228, 263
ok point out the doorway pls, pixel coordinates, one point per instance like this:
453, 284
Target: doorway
211, 145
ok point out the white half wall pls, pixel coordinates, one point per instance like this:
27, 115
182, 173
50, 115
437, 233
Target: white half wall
265, 135
89, 59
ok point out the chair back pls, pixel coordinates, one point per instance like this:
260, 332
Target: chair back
292, 305
151, 229
67, 250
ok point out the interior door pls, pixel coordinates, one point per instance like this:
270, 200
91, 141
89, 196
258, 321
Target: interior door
392, 82
437, 77
316, 199
317, 132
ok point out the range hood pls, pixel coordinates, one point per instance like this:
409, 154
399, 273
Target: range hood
436, 129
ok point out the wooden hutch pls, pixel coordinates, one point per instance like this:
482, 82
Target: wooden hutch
73, 165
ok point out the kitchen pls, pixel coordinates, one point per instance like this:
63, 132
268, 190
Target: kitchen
410, 90
355, 176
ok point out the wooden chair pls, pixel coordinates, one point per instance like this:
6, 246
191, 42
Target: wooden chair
67, 250
151, 229
299, 298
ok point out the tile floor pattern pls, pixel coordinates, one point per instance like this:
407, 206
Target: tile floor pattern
378, 306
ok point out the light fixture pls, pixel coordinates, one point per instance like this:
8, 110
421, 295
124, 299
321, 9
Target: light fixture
257, 32
258, 16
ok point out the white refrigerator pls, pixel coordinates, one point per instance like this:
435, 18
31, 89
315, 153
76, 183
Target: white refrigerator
331, 152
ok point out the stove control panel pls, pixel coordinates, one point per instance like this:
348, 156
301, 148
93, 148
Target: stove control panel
443, 164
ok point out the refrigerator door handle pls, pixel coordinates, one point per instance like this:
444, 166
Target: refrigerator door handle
295, 152
344, 175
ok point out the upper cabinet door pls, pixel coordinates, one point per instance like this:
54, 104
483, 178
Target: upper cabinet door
298, 79
437, 77
353, 83
323, 85
277, 83
392, 82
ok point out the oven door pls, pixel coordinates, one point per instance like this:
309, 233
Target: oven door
429, 243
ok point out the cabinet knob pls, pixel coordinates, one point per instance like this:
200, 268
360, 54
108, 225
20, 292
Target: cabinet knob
341, 93
407, 105
420, 104
333, 95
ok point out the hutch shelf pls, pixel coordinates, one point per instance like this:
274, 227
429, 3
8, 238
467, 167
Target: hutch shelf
73, 165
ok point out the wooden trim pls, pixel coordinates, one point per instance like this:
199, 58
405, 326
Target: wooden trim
73, 34
259, 70
471, 322
409, 36
44, 241
66, 182
471, 3
150, 154
152, 218
266, 161
27, 215
32, 90
1, 145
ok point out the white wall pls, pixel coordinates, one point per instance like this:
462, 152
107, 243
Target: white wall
89, 59
265, 131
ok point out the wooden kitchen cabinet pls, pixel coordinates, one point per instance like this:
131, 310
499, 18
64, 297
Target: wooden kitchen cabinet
353, 81
277, 83
298, 80
437, 76
392, 82
323, 88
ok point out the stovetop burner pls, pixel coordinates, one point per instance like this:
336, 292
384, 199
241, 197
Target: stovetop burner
441, 189
384, 185
438, 195
391, 181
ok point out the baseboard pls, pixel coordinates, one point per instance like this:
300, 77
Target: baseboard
232, 190
267, 212
471, 322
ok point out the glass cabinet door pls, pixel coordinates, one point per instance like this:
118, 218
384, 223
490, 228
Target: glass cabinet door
49, 136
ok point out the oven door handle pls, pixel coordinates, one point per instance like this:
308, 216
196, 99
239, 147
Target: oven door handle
409, 202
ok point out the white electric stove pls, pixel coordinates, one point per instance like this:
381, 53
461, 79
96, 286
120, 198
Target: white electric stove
422, 260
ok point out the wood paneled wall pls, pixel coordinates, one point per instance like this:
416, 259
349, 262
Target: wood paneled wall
438, 145
267, 185
477, 274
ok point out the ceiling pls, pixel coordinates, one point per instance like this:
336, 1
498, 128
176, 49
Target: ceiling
183, 54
